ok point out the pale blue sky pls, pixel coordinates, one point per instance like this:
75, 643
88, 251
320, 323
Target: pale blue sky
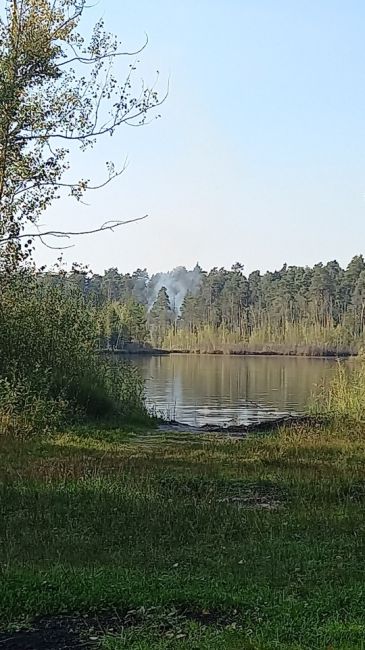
259, 156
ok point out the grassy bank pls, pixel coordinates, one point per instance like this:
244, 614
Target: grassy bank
120, 540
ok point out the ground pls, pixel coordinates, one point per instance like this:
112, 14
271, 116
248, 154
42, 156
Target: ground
150, 541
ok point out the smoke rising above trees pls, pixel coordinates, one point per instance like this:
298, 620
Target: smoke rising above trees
177, 283
195, 309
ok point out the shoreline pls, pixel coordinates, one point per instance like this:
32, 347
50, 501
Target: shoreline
156, 352
330, 354
137, 352
242, 430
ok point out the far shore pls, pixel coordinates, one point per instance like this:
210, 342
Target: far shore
310, 353
330, 354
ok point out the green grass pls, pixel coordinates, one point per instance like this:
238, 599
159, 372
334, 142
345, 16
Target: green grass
191, 542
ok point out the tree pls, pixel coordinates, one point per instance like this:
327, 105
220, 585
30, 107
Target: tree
161, 316
294, 306
112, 285
134, 318
358, 301
189, 312
234, 300
140, 280
121, 323
351, 276
57, 92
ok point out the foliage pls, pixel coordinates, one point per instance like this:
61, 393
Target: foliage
124, 385
57, 92
121, 323
26, 408
49, 368
319, 310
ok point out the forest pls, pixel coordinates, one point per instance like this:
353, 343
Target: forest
315, 310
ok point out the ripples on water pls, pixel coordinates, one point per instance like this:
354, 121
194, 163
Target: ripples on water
208, 389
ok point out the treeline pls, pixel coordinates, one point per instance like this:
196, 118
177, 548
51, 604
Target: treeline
308, 310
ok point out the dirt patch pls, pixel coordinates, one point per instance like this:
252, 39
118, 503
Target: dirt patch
256, 496
60, 633
85, 633
253, 502
241, 494
55, 637
214, 618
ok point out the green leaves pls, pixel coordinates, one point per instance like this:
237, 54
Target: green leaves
56, 92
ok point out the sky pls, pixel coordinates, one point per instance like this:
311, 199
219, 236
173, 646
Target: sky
259, 154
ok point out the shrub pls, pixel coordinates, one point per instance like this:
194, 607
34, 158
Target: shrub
49, 368
25, 410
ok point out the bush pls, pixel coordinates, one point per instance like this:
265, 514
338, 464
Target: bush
49, 368
25, 410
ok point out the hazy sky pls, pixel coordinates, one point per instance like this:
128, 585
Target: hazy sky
259, 156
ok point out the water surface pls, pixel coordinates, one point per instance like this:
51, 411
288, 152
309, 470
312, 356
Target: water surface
207, 389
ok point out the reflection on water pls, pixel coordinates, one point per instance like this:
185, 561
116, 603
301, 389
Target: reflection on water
206, 389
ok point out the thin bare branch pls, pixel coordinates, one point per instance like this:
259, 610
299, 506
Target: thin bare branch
108, 55
60, 234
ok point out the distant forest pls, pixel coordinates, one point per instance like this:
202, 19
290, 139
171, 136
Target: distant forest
295, 310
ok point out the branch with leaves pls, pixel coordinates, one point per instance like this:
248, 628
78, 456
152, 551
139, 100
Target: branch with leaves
57, 92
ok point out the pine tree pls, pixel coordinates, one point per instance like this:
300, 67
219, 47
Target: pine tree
161, 316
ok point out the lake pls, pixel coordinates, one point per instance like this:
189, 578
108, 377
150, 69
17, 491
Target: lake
207, 389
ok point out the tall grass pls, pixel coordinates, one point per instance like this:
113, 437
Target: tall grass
294, 339
49, 370
344, 396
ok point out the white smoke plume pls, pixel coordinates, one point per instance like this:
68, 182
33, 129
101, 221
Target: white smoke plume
177, 283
